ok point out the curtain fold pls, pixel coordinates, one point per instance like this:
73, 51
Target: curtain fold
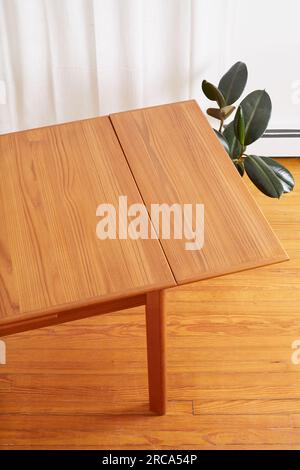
63, 60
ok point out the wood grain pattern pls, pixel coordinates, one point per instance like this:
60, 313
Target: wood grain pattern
156, 351
175, 158
229, 351
52, 180
66, 314
232, 384
51, 271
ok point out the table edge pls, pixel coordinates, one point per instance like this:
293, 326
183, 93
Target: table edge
68, 308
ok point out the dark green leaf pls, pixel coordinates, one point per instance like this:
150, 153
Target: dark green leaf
222, 140
284, 175
235, 148
240, 168
212, 93
239, 126
257, 108
216, 113
263, 176
232, 84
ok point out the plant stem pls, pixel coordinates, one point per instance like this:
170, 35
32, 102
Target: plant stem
221, 126
241, 157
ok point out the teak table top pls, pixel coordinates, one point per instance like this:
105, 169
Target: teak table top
52, 180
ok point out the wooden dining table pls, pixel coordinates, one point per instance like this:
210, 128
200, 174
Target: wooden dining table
53, 267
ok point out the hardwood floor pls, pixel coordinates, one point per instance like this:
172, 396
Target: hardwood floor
231, 380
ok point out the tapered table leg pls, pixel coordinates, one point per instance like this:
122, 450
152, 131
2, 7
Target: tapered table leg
156, 351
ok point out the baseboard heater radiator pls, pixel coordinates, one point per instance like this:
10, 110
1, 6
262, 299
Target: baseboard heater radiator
281, 143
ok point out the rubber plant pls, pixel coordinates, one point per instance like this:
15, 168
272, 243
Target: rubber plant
250, 121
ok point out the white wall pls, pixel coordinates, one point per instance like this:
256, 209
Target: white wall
266, 35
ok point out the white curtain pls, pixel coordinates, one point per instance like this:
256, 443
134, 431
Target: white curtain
62, 60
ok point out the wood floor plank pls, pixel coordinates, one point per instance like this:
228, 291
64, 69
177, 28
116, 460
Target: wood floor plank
247, 407
189, 385
162, 447
94, 361
140, 430
62, 404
